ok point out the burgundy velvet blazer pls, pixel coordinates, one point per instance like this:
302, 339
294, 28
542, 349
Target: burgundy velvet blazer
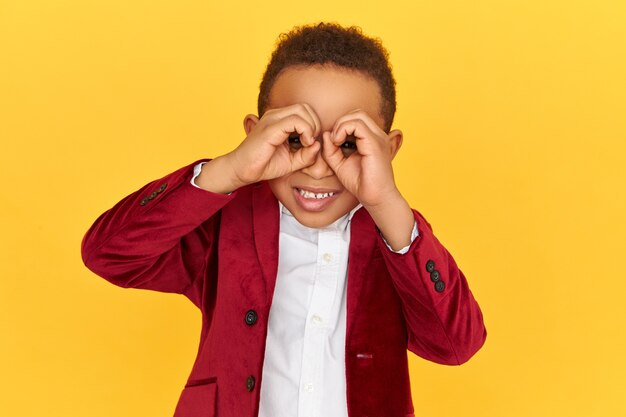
221, 251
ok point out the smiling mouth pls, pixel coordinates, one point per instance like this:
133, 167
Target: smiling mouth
315, 200
311, 195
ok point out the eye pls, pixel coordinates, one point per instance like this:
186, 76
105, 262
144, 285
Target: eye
349, 146
294, 141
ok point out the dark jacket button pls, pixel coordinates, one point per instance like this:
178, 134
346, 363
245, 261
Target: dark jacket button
163, 187
144, 201
250, 383
251, 317
439, 286
430, 265
152, 195
435, 276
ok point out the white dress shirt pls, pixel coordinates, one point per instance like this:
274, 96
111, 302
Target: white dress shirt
304, 367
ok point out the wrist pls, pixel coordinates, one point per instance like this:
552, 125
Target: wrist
393, 198
394, 218
218, 176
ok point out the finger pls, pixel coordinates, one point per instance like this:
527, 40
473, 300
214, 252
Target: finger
331, 153
365, 139
306, 156
279, 131
305, 113
349, 125
318, 124
360, 115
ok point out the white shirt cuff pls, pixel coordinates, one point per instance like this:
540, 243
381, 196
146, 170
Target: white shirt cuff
196, 171
405, 249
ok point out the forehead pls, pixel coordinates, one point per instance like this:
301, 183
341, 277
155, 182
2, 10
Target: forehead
331, 91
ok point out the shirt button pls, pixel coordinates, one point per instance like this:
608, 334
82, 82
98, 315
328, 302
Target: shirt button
250, 383
309, 387
317, 319
327, 257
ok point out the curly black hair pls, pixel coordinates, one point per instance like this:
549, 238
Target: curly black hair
330, 43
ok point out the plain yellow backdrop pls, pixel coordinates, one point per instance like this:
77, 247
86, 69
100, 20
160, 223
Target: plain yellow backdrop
515, 150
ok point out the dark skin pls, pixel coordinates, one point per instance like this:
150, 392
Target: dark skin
320, 136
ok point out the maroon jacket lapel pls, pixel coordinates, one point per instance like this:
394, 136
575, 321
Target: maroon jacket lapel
266, 224
362, 242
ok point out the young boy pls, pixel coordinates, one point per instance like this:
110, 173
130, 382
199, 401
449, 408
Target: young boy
313, 274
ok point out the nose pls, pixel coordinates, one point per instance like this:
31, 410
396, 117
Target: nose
320, 168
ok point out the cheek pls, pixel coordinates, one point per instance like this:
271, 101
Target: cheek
280, 187
348, 201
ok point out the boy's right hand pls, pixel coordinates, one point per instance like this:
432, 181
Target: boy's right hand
269, 151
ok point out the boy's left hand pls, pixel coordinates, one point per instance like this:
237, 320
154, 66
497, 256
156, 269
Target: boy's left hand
366, 172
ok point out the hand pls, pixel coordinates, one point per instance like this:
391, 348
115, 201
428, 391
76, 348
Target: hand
282, 141
360, 154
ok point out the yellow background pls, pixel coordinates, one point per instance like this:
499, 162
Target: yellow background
515, 142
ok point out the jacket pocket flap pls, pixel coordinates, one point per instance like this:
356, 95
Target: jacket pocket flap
197, 400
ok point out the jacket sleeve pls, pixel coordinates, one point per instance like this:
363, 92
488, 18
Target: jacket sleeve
444, 322
159, 238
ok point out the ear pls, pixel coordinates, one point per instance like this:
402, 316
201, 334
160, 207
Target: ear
395, 141
249, 122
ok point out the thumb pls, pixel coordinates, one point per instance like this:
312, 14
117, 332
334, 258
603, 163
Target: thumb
331, 153
306, 156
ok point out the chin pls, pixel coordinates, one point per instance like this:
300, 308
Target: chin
322, 218
315, 221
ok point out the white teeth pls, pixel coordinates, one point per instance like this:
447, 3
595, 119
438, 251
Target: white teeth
308, 194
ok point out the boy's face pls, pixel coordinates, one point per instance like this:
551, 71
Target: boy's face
332, 92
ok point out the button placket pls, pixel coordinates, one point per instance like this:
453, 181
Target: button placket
320, 309
327, 257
